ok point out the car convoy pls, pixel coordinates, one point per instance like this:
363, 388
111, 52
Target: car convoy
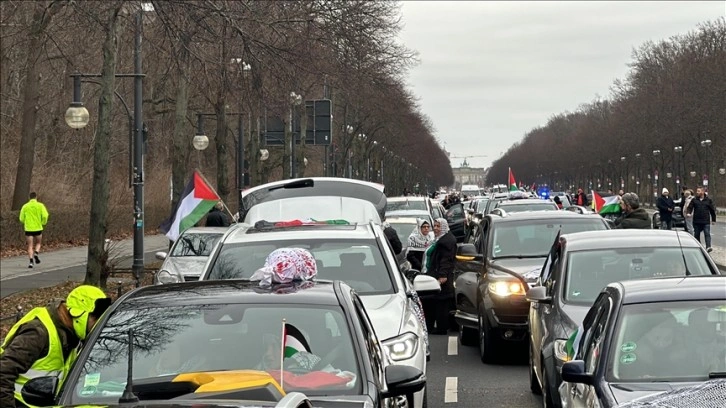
589, 305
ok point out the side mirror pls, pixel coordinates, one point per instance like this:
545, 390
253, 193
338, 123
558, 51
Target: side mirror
40, 391
467, 252
403, 380
574, 372
426, 285
538, 294
160, 255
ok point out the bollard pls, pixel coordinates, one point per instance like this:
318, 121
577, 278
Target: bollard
19, 315
118, 289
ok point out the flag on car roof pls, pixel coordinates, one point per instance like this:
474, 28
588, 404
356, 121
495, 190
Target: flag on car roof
512, 182
195, 202
294, 341
605, 205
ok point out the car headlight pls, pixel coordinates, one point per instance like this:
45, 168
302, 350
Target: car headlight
401, 347
506, 288
165, 277
561, 350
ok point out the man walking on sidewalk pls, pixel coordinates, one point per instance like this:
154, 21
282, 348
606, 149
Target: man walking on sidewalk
703, 211
34, 216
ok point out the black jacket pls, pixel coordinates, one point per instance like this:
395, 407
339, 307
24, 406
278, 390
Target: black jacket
637, 219
665, 203
392, 237
415, 258
217, 218
442, 263
701, 209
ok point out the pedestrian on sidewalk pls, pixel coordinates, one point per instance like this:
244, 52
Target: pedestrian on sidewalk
703, 211
687, 197
34, 216
665, 206
44, 342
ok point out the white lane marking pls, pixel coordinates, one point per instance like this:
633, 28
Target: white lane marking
453, 346
451, 394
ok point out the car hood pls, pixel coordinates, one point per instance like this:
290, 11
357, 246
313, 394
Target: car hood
523, 267
386, 313
186, 265
626, 392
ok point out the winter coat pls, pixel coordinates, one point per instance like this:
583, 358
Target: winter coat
701, 210
29, 344
216, 218
393, 239
582, 196
442, 264
665, 203
636, 219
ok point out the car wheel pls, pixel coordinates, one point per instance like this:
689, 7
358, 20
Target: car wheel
486, 342
467, 336
533, 382
546, 397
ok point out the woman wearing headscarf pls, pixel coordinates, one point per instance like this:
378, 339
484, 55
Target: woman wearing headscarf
419, 240
440, 263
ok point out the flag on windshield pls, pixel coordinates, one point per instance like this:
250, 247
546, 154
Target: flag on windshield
605, 205
512, 182
195, 202
294, 341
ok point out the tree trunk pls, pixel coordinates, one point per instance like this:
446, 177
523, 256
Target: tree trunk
31, 96
220, 137
286, 150
300, 153
180, 152
98, 226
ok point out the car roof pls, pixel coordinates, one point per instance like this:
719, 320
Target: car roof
235, 291
628, 238
247, 233
538, 215
518, 201
672, 289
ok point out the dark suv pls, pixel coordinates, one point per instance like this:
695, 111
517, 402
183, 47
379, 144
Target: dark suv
501, 259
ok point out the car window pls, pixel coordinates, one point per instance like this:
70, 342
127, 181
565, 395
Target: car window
174, 339
590, 271
406, 205
195, 244
535, 237
455, 212
436, 212
543, 206
357, 262
690, 335
403, 230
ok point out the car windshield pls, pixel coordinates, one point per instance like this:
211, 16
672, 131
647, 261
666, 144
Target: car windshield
358, 262
403, 230
406, 205
174, 339
533, 238
588, 272
195, 244
543, 206
691, 334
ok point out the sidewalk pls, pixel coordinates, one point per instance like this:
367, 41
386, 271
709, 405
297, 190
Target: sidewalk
66, 264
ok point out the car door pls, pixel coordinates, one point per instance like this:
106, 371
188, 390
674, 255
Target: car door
373, 351
468, 275
456, 217
541, 316
591, 352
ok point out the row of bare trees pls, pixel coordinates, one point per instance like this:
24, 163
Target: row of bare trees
234, 60
664, 126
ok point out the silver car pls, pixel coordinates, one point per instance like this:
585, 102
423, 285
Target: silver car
185, 260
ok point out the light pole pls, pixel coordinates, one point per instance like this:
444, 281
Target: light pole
656, 153
77, 117
295, 101
678, 150
706, 144
624, 173
348, 160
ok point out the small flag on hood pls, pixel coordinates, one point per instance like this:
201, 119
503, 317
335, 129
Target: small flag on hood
195, 202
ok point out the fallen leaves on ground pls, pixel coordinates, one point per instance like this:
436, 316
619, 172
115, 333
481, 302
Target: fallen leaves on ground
30, 299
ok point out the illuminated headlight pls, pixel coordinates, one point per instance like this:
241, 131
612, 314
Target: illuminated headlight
165, 277
561, 350
506, 288
401, 347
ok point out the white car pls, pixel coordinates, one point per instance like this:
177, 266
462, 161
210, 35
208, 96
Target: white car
185, 260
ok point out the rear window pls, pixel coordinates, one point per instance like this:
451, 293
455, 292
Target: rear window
406, 205
357, 262
195, 244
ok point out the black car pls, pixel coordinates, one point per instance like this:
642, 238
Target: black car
221, 340
678, 220
456, 217
578, 267
495, 268
642, 337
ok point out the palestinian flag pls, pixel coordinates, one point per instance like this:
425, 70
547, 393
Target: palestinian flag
605, 205
573, 344
294, 341
512, 182
196, 201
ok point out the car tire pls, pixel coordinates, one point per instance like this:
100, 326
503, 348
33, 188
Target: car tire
467, 336
487, 342
546, 395
533, 382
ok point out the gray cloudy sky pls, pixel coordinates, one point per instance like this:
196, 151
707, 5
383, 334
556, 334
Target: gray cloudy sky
492, 71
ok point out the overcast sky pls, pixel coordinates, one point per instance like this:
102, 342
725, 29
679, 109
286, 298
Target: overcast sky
491, 71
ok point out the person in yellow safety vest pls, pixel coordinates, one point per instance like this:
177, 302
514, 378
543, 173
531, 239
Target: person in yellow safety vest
43, 343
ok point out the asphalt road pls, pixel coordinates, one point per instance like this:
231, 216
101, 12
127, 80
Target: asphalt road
457, 377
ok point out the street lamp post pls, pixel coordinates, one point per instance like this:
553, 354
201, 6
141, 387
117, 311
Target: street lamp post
678, 150
656, 153
706, 144
295, 101
624, 173
77, 117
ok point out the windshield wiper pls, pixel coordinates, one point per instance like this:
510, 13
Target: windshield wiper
519, 256
717, 374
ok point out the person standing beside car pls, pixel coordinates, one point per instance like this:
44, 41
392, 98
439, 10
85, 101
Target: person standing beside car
34, 217
665, 206
687, 218
703, 211
633, 216
440, 265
